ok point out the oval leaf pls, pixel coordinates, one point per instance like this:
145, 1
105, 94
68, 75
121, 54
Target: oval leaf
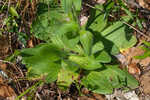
86, 39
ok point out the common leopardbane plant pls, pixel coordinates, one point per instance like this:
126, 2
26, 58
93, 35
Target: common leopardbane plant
70, 48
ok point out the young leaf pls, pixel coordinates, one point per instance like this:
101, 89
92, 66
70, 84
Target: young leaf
87, 63
86, 39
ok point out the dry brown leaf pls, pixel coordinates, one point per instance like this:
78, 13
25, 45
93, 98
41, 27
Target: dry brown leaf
145, 82
1, 80
4, 46
131, 52
30, 43
144, 4
6, 91
3, 66
85, 98
85, 91
133, 69
135, 51
145, 62
99, 97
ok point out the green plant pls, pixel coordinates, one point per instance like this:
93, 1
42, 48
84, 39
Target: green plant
146, 48
70, 48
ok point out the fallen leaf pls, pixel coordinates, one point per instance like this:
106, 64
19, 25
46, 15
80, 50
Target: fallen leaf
3, 66
30, 43
133, 69
144, 4
85, 91
85, 98
6, 91
4, 46
1, 80
131, 53
99, 96
145, 82
145, 62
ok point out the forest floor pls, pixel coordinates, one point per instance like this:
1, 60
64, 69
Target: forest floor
12, 74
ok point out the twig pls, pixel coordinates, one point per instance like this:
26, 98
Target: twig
14, 66
137, 30
59, 94
6, 62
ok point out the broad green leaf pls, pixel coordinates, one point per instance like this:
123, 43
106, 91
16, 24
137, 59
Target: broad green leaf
97, 83
109, 6
98, 46
97, 21
67, 44
103, 57
41, 61
70, 43
56, 39
111, 77
66, 78
52, 72
67, 5
77, 4
119, 34
86, 39
87, 63
48, 2
114, 50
